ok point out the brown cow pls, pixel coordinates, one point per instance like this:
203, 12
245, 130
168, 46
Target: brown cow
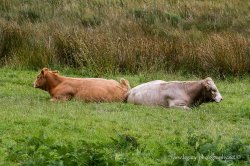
86, 89
182, 94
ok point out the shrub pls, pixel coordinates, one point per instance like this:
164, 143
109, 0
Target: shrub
225, 54
90, 20
125, 141
155, 16
42, 150
68, 50
198, 37
12, 39
30, 15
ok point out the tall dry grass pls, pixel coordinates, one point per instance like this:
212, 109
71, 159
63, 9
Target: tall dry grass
110, 36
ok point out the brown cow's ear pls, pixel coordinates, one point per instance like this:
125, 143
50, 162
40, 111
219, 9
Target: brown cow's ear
44, 70
56, 72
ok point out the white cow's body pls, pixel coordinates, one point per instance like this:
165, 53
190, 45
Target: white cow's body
175, 93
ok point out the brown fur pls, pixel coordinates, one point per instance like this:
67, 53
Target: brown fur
86, 89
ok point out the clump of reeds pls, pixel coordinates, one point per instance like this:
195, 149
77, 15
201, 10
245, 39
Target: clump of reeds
199, 37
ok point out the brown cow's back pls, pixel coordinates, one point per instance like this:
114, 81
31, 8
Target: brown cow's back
95, 89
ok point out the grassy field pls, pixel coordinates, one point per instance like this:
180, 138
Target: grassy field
140, 40
35, 131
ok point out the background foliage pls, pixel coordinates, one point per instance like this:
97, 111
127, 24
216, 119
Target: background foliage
111, 36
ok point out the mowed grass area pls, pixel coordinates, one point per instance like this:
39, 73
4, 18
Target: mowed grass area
35, 131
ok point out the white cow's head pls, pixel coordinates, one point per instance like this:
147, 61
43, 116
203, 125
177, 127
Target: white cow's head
212, 93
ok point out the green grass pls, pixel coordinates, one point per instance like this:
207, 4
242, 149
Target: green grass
108, 38
35, 131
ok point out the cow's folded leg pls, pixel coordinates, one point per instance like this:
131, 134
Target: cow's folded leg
178, 104
53, 99
61, 98
183, 107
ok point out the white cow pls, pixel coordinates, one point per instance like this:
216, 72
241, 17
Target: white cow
183, 94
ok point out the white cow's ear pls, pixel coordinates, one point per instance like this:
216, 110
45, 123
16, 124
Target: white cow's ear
209, 79
207, 84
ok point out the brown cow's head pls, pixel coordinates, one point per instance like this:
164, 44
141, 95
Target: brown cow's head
41, 79
211, 91
46, 79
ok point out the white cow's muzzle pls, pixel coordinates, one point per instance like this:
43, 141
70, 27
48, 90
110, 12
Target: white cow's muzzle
218, 98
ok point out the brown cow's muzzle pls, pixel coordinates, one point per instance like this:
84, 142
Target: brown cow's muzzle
34, 85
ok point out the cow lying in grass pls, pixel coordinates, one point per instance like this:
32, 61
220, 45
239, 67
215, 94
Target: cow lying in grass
183, 94
86, 89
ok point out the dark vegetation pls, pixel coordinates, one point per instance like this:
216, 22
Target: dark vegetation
198, 150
